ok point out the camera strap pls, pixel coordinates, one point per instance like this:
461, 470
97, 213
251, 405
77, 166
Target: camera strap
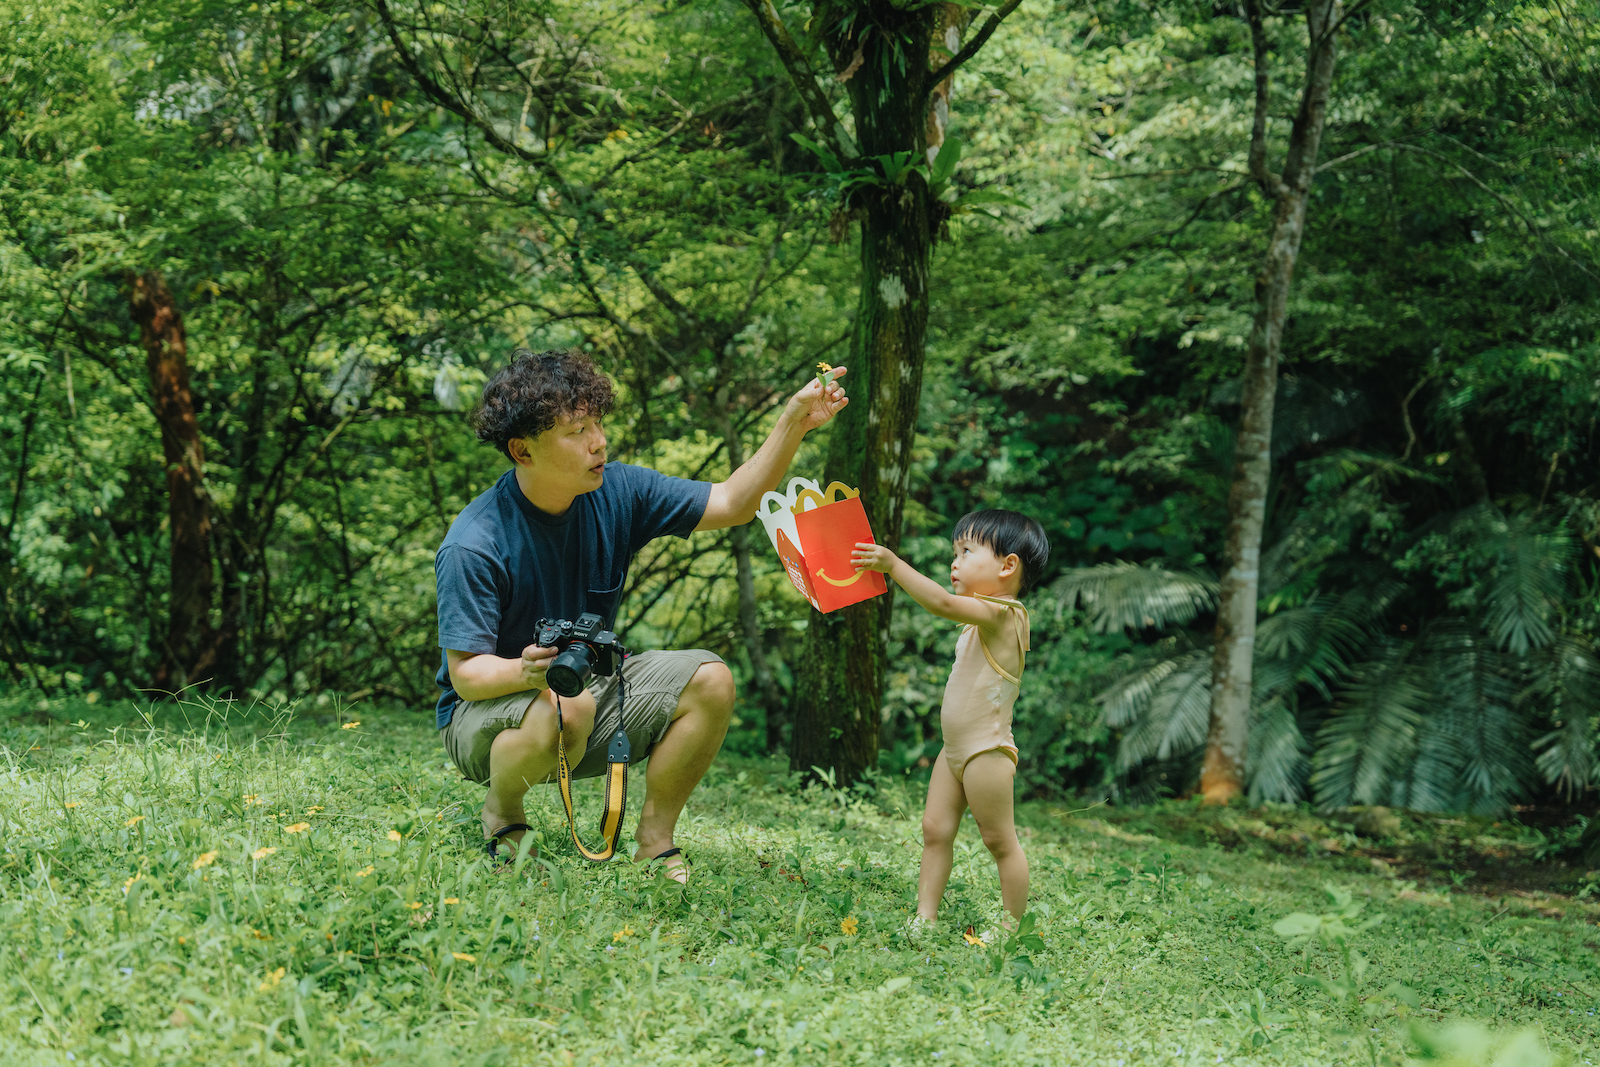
618, 753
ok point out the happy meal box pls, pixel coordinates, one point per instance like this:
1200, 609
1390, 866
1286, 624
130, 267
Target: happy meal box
814, 531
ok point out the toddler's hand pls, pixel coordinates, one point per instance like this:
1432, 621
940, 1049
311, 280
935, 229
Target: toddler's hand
870, 557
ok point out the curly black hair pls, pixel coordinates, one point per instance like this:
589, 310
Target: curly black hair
535, 390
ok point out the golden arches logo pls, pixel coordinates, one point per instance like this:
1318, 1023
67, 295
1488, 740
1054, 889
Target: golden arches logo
835, 492
834, 581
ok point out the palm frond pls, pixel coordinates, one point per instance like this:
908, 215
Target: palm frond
1371, 735
1568, 675
1276, 767
1177, 715
1528, 587
1117, 596
1130, 695
1320, 639
1529, 561
1433, 781
1474, 688
1349, 486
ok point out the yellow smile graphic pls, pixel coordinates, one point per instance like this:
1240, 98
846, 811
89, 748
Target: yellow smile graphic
852, 580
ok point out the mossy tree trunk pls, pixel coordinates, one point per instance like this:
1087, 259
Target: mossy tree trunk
1223, 776
189, 647
896, 63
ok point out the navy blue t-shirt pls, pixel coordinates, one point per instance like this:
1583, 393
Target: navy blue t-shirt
505, 564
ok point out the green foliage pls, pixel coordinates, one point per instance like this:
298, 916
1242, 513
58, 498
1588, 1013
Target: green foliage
352, 254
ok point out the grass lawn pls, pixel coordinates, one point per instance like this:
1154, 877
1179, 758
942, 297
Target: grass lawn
244, 888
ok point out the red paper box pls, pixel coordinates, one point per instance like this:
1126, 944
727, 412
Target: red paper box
820, 565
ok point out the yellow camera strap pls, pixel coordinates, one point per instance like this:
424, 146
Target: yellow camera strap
618, 753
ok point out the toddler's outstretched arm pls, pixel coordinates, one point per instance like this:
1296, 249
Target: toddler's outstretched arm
924, 590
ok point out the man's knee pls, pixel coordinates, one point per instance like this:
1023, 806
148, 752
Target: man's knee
577, 713
711, 688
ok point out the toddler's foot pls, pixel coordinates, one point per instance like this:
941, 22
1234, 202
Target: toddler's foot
918, 928
999, 929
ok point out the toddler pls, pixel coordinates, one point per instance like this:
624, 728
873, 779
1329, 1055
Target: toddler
998, 557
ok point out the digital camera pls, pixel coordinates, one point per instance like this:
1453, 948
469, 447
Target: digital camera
584, 649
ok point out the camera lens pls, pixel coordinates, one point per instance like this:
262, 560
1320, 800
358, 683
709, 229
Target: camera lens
569, 672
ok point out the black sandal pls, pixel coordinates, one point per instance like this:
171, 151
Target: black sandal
496, 837
668, 854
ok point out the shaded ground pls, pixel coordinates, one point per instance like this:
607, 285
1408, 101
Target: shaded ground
1531, 862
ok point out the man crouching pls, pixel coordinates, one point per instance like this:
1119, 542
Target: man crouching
552, 539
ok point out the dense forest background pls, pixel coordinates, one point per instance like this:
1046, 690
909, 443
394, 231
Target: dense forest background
279, 191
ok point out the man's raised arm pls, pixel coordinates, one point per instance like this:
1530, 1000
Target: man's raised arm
734, 502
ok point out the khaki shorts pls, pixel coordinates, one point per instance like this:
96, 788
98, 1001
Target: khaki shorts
655, 682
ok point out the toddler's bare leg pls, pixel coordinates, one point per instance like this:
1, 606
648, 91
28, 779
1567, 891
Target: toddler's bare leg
940, 821
988, 781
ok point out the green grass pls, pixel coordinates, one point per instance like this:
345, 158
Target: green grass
123, 945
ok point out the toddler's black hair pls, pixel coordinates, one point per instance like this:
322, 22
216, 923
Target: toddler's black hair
1007, 532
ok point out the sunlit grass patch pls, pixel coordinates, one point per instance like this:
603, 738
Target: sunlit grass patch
236, 883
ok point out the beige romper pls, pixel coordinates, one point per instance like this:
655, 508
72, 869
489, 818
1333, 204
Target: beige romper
979, 697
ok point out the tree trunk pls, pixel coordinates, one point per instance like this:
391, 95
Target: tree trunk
839, 694
770, 693
1223, 774
189, 645
896, 61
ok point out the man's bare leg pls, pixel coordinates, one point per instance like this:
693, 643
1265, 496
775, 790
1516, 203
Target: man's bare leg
524, 756
681, 759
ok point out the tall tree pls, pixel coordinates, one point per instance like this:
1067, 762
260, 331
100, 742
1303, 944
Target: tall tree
896, 62
1223, 775
189, 649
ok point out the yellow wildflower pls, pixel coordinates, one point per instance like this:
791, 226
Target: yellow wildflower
129, 883
414, 905
626, 931
394, 835
452, 900
464, 957
73, 803
135, 821
262, 853
351, 725
273, 978
363, 872
313, 809
252, 798
849, 926
970, 938
205, 859
297, 828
